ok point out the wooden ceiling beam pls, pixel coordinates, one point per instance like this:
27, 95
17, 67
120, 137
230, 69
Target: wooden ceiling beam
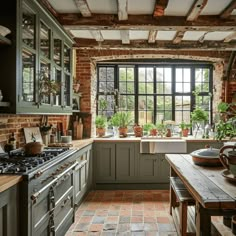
48, 6
228, 10
196, 9
97, 35
124, 34
160, 7
230, 37
178, 37
160, 45
83, 7
122, 9
146, 22
152, 36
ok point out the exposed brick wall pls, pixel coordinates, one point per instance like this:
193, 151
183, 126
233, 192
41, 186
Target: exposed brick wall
16, 123
86, 72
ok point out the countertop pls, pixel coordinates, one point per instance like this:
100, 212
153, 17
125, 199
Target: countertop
7, 181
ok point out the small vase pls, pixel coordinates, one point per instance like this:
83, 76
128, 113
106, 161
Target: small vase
45, 138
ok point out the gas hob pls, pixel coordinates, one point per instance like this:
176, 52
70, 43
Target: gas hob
18, 163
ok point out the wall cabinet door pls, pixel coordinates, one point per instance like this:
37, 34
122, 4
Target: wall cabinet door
125, 162
38, 63
9, 212
104, 162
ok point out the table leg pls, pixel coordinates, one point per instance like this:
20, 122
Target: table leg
203, 221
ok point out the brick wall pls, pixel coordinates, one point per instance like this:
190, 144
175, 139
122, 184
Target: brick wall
86, 73
16, 123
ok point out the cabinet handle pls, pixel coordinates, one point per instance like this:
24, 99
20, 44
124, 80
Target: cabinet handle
65, 201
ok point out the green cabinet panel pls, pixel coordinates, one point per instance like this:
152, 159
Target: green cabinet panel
163, 169
147, 168
125, 162
82, 173
37, 66
104, 162
9, 212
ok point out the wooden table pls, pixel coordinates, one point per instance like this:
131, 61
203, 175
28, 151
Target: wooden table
213, 193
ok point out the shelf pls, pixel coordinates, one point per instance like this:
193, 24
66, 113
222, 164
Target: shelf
4, 104
4, 40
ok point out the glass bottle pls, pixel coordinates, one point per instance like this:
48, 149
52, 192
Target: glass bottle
12, 141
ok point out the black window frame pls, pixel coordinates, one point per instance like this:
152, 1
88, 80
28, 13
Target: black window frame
175, 65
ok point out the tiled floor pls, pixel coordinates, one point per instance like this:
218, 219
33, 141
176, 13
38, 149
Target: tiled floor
127, 212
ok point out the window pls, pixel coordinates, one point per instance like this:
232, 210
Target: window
153, 93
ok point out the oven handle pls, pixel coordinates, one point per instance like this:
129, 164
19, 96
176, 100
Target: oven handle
36, 195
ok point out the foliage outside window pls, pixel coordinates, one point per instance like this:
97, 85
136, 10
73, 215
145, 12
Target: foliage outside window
153, 93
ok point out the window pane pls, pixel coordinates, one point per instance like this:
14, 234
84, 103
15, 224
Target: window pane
160, 88
150, 88
130, 88
167, 88
130, 74
150, 103
141, 88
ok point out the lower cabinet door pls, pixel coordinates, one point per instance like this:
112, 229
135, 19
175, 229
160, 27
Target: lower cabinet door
9, 212
148, 169
104, 162
125, 162
163, 169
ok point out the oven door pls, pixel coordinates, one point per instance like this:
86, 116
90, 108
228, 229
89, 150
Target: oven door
52, 206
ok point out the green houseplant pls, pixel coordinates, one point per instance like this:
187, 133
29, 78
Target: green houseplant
125, 119
198, 118
115, 122
185, 128
150, 128
101, 122
226, 126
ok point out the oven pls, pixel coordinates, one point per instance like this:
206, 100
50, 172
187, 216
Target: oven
46, 193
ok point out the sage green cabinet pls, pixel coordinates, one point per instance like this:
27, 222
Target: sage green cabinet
82, 174
37, 67
153, 168
9, 225
104, 162
125, 162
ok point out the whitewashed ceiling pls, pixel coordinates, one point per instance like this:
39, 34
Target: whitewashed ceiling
150, 22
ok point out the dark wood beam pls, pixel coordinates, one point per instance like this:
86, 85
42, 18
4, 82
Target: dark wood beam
230, 37
178, 37
83, 7
228, 10
159, 45
196, 9
152, 36
122, 9
146, 22
48, 6
160, 7
230, 65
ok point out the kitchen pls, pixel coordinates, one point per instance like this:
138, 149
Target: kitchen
120, 37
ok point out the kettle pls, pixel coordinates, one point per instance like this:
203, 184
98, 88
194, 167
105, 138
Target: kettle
229, 159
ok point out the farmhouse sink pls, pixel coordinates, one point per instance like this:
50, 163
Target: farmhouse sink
163, 145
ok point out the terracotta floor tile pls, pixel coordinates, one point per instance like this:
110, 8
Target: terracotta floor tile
137, 213
163, 220
136, 219
125, 213
96, 227
85, 219
112, 219
149, 219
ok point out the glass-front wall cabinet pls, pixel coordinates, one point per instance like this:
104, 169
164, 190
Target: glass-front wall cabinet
46, 63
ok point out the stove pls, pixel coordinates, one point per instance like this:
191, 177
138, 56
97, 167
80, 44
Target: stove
17, 162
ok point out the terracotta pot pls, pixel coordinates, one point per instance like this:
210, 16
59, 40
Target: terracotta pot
123, 132
185, 132
153, 132
168, 133
33, 148
100, 132
138, 131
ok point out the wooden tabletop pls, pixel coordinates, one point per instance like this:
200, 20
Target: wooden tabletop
206, 184
7, 181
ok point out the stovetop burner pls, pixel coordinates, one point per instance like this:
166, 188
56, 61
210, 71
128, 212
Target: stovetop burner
18, 163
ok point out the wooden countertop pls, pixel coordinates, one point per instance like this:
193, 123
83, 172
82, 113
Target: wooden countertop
78, 144
7, 181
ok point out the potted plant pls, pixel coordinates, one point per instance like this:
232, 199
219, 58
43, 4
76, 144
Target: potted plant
115, 122
150, 128
198, 117
125, 120
185, 128
100, 123
226, 126
161, 129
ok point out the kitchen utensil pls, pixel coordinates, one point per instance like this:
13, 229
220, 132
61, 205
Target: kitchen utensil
229, 161
206, 157
33, 148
